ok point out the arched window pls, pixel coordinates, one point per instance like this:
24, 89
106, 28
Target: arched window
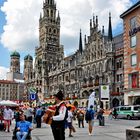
47, 13
51, 13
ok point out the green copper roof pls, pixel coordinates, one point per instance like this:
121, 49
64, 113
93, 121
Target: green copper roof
28, 57
15, 53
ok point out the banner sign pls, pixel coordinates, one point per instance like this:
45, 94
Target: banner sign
32, 93
105, 91
91, 99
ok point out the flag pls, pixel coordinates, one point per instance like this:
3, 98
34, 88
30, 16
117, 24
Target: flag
91, 99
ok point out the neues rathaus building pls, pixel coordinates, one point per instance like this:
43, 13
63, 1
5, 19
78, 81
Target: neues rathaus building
98, 61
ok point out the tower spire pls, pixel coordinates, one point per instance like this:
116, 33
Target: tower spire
103, 31
110, 36
96, 21
80, 43
93, 21
85, 39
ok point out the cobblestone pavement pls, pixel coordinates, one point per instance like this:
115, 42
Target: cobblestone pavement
113, 130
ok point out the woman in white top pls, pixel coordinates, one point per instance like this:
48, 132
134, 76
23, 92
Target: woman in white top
7, 116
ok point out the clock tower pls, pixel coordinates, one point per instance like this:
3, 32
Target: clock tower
49, 53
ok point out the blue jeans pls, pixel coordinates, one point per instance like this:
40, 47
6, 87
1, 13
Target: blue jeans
21, 135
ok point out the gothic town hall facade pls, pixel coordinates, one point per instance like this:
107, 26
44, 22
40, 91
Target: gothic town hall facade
77, 75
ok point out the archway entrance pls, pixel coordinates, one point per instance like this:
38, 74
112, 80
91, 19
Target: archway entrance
137, 101
115, 102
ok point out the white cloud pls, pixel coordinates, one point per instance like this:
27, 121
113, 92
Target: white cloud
21, 29
3, 71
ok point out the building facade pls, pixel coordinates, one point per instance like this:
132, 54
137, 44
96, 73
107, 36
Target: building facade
90, 67
117, 96
10, 90
131, 37
13, 87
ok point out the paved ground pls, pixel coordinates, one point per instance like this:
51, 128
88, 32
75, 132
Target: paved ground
113, 130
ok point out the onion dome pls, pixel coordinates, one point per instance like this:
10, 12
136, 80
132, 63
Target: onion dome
28, 57
15, 53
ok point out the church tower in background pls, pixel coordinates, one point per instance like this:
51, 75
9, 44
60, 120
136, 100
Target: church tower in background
14, 67
28, 67
15, 62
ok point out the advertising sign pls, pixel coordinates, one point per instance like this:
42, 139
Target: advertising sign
105, 91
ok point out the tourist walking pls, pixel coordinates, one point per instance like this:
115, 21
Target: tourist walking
29, 114
100, 117
7, 116
80, 118
89, 117
38, 117
114, 113
69, 122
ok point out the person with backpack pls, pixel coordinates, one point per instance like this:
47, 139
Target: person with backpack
80, 118
59, 118
89, 117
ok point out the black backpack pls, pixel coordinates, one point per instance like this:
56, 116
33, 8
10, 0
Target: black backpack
88, 115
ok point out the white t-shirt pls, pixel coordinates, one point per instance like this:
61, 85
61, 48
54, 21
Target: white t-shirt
70, 115
7, 114
29, 112
62, 112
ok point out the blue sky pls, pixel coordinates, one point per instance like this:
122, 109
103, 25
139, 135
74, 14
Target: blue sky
18, 16
4, 54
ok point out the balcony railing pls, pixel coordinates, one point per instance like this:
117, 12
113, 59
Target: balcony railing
90, 85
84, 86
115, 93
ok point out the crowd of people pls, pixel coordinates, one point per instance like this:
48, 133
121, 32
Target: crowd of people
24, 119
61, 120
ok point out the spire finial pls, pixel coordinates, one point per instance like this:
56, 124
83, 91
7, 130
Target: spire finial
90, 23
80, 43
110, 36
93, 20
103, 31
96, 21
85, 39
